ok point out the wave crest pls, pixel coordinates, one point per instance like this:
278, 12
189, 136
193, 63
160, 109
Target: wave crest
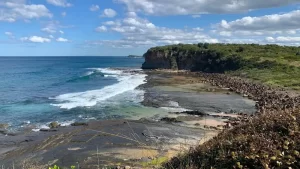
127, 81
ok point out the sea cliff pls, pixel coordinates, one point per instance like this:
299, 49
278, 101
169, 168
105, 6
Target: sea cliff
270, 64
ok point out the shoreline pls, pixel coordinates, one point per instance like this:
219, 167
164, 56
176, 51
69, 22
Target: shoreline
230, 120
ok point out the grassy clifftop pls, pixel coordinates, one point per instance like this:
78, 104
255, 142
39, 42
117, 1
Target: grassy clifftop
270, 64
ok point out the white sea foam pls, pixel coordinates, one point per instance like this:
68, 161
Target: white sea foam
86, 117
38, 127
127, 82
46, 126
89, 73
174, 107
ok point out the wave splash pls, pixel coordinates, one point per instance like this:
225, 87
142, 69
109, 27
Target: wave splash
88, 75
127, 81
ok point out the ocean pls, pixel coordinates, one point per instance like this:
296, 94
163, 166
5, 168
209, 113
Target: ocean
35, 91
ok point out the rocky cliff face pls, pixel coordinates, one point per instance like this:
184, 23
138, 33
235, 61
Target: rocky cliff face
157, 60
200, 60
178, 60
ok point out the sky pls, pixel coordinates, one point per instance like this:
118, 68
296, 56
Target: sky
123, 27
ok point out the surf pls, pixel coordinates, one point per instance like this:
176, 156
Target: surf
127, 81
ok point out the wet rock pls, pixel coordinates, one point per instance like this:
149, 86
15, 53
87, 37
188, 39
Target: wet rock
4, 126
198, 113
79, 124
213, 128
53, 125
3, 131
216, 116
170, 120
49, 130
206, 126
146, 120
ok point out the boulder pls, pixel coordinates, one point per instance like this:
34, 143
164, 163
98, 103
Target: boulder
170, 120
79, 124
53, 125
4, 126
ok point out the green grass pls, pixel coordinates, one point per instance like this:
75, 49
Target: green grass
270, 64
155, 162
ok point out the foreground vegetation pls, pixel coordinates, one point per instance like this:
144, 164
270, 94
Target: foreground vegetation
270, 64
268, 141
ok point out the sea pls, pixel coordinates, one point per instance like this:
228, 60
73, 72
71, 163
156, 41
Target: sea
35, 91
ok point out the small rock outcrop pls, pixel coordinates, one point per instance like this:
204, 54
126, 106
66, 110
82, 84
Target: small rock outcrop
54, 125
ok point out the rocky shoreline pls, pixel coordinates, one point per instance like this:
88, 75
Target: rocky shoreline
267, 100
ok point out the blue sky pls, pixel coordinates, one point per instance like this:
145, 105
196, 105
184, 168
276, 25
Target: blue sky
122, 27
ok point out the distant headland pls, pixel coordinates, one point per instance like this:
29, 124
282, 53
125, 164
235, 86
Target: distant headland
134, 56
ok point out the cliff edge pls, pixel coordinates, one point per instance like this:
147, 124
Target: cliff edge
270, 64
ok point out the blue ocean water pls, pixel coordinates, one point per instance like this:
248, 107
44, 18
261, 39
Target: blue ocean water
38, 90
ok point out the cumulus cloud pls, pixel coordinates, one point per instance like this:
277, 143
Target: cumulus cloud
110, 13
261, 26
13, 10
101, 29
284, 39
275, 22
61, 32
35, 39
94, 8
136, 31
61, 3
190, 7
62, 40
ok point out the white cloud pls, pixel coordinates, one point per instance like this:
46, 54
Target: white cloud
110, 13
101, 29
198, 29
275, 22
13, 10
94, 8
35, 39
51, 36
63, 14
136, 31
196, 16
262, 27
62, 40
110, 23
8, 33
194, 7
49, 29
225, 33
61, 3
284, 39
52, 27
270, 39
